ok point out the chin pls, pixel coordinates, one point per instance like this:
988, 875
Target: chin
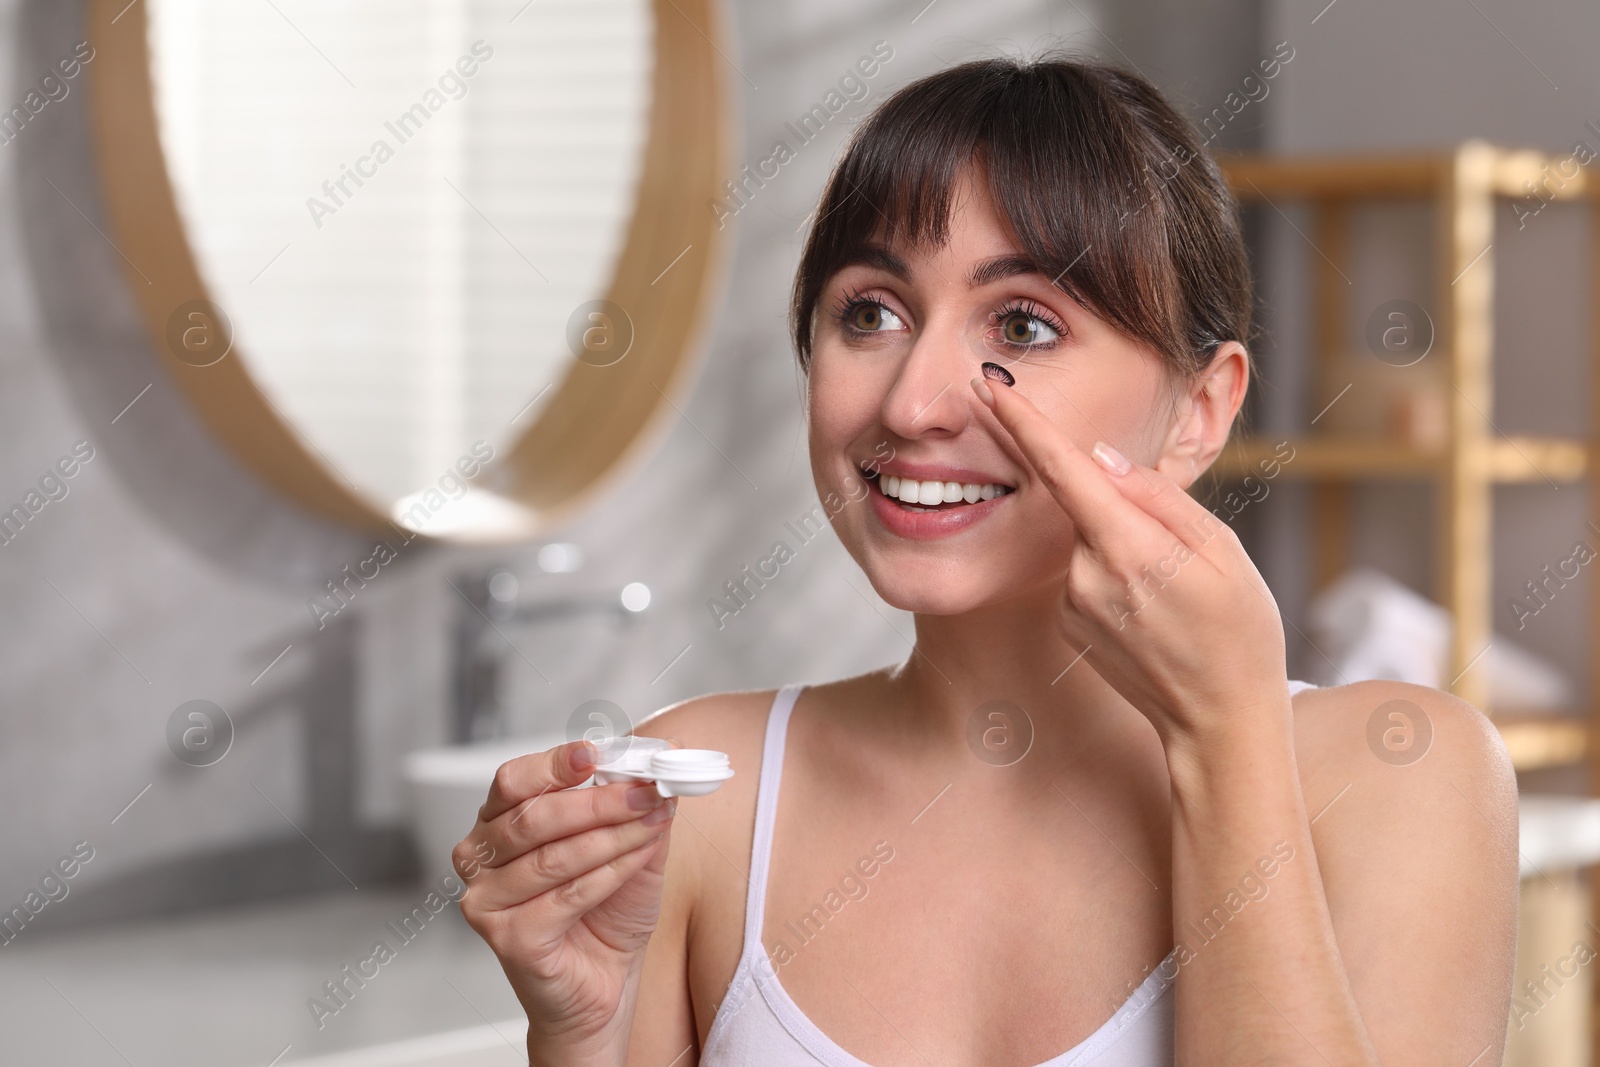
925, 588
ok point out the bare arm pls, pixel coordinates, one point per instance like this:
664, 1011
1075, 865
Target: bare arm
1164, 601
1412, 864
1260, 979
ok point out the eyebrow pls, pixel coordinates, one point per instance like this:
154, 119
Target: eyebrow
984, 273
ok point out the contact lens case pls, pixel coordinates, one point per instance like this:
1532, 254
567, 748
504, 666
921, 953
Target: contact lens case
677, 772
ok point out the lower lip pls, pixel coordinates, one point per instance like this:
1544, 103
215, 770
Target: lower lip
930, 525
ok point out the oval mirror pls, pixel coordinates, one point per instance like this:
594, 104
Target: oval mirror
439, 265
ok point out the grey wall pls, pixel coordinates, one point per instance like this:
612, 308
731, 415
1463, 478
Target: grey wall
168, 574
1373, 77
1197, 53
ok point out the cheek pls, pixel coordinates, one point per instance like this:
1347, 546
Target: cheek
1046, 535
829, 431
1127, 411
840, 404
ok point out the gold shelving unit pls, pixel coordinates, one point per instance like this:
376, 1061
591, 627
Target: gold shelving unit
1464, 185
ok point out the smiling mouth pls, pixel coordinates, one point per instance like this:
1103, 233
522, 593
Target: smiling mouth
914, 495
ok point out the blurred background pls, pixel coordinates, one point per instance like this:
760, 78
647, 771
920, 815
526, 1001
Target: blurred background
388, 389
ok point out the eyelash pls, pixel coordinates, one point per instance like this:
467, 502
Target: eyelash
852, 299
846, 305
1033, 311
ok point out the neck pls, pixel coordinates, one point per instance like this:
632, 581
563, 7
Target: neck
1001, 685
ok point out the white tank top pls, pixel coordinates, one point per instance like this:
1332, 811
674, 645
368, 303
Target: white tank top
758, 1025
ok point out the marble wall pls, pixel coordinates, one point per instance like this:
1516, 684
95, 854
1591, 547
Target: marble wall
168, 574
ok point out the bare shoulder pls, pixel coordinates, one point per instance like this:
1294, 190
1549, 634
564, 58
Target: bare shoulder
735, 722
1401, 744
716, 720
1413, 803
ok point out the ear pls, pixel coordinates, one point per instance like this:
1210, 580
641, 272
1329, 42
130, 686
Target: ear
1205, 416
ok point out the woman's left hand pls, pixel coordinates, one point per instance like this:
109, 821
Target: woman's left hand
1159, 591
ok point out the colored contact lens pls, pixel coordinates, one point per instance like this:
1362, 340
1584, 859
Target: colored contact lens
998, 373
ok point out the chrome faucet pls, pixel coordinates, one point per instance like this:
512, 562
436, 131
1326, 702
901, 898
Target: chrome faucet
488, 602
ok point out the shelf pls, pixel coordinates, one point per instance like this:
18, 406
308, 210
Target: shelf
1473, 191
1502, 460
1310, 177
1515, 171
1545, 741
1504, 172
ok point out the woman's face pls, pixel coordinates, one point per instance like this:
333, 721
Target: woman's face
895, 345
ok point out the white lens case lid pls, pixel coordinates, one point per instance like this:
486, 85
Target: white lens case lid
625, 757
683, 772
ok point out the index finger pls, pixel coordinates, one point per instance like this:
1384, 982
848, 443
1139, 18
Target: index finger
538, 772
1097, 508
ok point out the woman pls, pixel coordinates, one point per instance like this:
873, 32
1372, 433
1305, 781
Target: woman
1089, 819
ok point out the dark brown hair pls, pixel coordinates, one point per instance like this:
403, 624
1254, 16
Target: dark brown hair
1103, 185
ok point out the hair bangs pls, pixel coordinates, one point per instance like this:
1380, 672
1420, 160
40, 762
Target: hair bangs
1075, 157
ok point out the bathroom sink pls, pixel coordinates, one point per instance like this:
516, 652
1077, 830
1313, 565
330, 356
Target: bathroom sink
446, 787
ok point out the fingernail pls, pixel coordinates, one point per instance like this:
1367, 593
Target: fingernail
998, 373
583, 757
661, 814
982, 391
643, 796
1111, 459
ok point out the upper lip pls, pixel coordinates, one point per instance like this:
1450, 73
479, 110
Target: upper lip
934, 472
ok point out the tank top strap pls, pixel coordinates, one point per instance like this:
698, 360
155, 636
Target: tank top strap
766, 811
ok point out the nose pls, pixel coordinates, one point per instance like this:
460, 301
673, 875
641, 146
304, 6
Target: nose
930, 395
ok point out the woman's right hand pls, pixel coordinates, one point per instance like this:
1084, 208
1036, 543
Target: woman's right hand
565, 886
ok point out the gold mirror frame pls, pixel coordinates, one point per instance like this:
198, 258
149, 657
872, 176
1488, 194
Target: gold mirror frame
597, 417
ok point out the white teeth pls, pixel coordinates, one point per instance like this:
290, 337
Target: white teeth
912, 491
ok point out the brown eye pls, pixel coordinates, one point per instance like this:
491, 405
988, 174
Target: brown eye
1019, 329
866, 317
869, 316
